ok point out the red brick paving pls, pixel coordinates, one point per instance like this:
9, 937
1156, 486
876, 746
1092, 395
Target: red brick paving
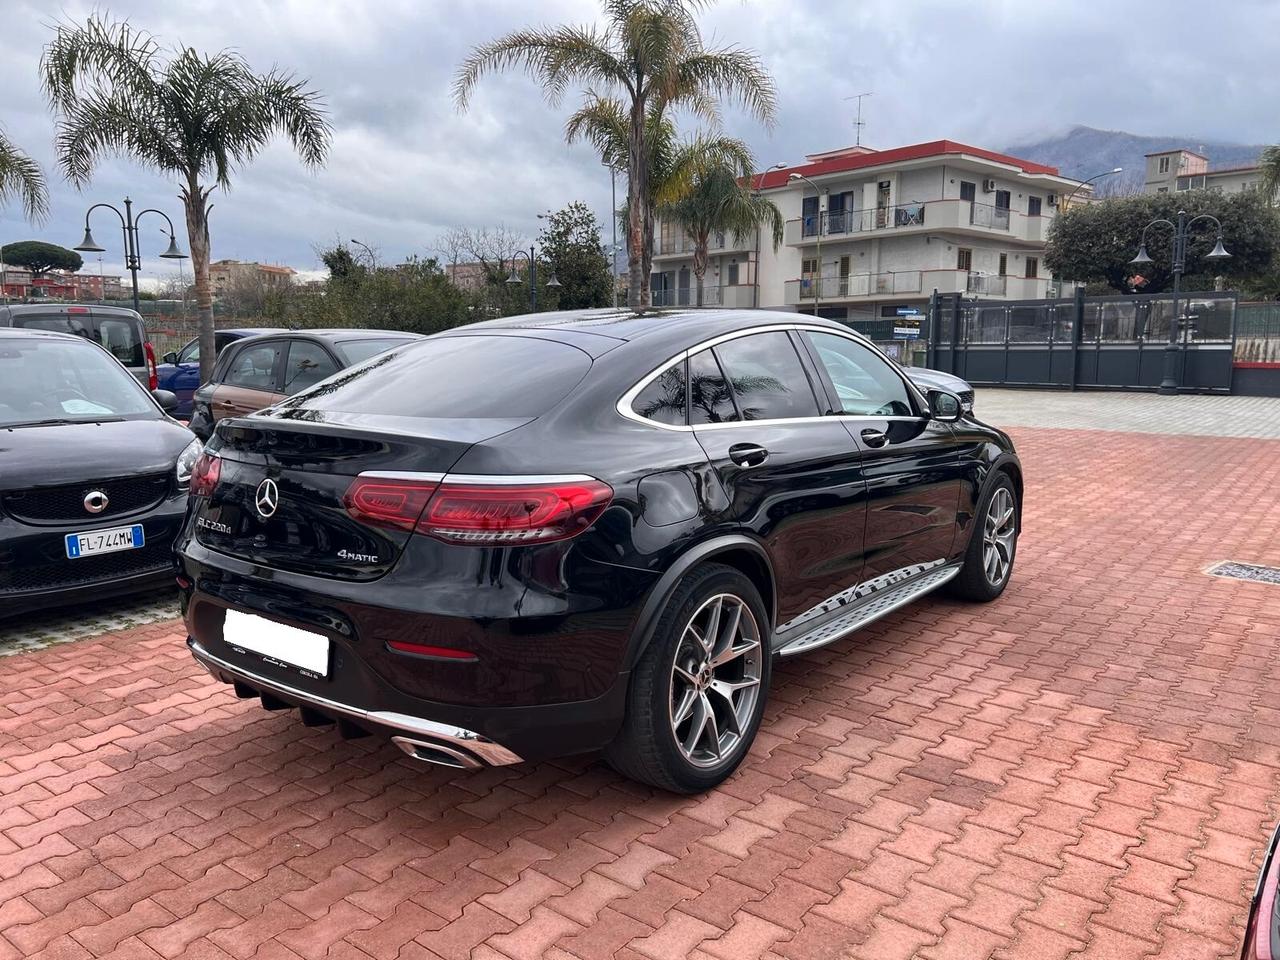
1089, 766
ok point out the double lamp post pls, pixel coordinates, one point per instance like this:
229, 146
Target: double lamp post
1181, 234
132, 248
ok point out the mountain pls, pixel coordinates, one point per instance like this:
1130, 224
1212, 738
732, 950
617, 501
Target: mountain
1084, 151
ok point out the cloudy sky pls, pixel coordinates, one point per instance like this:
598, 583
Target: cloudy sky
406, 165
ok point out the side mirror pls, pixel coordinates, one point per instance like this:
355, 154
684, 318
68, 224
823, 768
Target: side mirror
170, 357
944, 406
167, 399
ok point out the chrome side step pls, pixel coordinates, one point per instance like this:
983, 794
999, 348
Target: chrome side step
871, 609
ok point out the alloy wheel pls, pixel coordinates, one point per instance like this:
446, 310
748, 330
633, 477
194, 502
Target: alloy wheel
715, 680
998, 536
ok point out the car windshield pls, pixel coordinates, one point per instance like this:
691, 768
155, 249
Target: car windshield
65, 381
357, 351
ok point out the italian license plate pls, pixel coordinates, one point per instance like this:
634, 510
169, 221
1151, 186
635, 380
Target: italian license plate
104, 541
279, 643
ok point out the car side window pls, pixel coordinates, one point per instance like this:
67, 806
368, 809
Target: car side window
123, 339
664, 398
309, 363
866, 385
709, 398
768, 380
255, 367
191, 352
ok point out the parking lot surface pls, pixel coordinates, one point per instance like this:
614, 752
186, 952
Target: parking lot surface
1090, 765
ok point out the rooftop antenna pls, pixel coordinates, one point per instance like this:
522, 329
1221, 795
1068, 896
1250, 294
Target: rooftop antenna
859, 123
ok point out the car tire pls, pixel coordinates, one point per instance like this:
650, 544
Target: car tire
993, 544
678, 679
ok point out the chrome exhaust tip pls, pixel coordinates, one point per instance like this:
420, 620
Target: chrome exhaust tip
437, 753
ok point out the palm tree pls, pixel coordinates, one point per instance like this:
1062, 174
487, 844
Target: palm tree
193, 116
673, 164
648, 52
720, 200
20, 178
1270, 164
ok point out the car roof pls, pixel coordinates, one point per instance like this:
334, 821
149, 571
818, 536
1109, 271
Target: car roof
97, 309
661, 327
334, 333
30, 333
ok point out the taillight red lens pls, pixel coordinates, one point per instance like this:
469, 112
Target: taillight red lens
153, 379
514, 514
480, 513
387, 503
205, 474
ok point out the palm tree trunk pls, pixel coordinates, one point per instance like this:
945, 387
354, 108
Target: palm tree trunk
637, 210
699, 266
193, 202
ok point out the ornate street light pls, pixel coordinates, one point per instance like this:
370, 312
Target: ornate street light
132, 248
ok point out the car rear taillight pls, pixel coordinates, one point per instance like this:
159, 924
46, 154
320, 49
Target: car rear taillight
205, 474
481, 512
153, 379
382, 502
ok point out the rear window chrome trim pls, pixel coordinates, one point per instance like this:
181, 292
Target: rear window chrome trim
624, 404
478, 479
407, 475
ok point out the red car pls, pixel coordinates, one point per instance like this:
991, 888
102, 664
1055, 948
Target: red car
1262, 933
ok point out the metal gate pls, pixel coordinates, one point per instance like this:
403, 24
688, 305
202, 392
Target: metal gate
1113, 342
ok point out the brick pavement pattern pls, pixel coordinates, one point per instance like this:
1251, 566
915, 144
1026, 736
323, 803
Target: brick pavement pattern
1089, 766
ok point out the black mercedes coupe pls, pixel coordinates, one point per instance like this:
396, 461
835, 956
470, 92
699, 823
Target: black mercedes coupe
583, 531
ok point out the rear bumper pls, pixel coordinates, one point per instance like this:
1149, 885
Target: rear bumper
34, 601
467, 736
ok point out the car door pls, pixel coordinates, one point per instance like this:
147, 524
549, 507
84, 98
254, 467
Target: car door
911, 463
308, 363
790, 475
186, 374
251, 380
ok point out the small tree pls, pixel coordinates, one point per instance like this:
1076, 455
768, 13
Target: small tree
1095, 242
40, 257
415, 296
571, 244
721, 201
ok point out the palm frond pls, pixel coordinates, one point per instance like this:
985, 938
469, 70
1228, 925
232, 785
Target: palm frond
555, 57
21, 177
732, 74
106, 123
602, 122
1270, 164
98, 53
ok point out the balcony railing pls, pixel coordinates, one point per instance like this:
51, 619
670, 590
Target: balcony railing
855, 285
717, 242
984, 284
937, 214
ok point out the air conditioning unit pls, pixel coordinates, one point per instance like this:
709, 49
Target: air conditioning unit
1052, 199
988, 186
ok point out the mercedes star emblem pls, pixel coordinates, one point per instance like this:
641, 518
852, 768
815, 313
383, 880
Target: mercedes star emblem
267, 498
95, 501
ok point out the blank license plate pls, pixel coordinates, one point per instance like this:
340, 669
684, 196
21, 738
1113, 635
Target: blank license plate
104, 541
278, 642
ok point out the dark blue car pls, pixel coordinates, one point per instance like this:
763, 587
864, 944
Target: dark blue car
180, 371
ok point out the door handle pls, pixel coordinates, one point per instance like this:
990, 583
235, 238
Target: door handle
748, 454
874, 438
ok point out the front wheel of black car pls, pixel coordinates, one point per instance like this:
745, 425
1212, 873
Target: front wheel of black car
988, 563
698, 691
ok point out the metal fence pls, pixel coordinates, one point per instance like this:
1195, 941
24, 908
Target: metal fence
1114, 341
1258, 333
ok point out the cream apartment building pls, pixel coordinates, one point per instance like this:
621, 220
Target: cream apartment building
893, 226
1174, 171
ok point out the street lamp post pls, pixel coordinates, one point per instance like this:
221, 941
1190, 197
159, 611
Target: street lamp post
817, 293
1084, 183
132, 248
373, 260
4, 276
1181, 233
514, 278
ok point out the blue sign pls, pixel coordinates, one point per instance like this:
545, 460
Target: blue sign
908, 311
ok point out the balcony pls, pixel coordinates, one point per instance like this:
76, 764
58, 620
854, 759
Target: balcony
986, 286
909, 284
675, 246
963, 215
738, 295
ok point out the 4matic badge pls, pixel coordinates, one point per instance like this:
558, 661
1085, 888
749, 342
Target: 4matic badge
345, 554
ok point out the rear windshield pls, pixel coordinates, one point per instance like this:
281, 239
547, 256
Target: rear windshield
48, 380
120, 335
470, 377
357, 351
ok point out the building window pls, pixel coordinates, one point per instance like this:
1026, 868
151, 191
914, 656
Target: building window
1164, 164
1033, 206
1162, 189
1033, 268
964, 259
733, 273
1004, 264
968, 191
808, 267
